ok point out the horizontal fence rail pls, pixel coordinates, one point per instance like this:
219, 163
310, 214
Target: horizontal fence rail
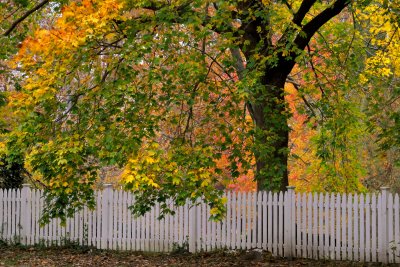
354, 227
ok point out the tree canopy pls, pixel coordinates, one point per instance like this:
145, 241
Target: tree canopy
183, 94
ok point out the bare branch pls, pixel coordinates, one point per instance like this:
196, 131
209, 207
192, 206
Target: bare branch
27, 14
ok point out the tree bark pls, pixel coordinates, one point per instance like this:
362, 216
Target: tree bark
270, 116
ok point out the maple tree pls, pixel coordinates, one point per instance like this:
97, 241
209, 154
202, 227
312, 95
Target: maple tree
177, 93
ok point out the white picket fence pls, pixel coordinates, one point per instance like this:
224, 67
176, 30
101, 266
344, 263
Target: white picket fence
320, 226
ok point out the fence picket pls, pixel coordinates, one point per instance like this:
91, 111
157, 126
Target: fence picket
12, 214
254, 219
362, 229
8, 224
139, 228
89, 219
56, 232
314, 226
218, 226
208, 228
161, 230
338, 223
96, 220
309, 226
356, 225
270, 215
136, 228
374, 238
304, 225
264, 202
280, 223
344, 227
147, 237
259, 218
298, 225
6, 215
247, 220
121, 221
31, 205
203, 226
186, 222
39, 205
30, 223
349, 227
222, 244
81, 226
396, 228
213, 233
127, 221
324, 226
151, 234
238, 220
198, 224
228, 219
18, 222
368, 228
390, 226
275, 224
242, 219
8, 205
114, 221
332, 227
233, 225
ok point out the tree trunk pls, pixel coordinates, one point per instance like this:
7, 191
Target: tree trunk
270, 116
267, 103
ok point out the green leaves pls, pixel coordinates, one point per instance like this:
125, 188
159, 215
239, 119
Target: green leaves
184, 96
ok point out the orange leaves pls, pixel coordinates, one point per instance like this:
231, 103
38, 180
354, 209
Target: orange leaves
77, 23
51, 53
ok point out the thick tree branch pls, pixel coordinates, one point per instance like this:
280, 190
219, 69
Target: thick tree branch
238, 62
318, 21
27, 14
301, 13
256, 28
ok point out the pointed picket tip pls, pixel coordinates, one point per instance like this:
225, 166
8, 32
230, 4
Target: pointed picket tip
259, 197
390, 197
280, 195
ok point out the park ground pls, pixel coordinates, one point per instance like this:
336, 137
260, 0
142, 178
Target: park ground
40, 256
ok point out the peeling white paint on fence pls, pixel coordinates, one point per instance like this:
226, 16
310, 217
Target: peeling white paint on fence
320, 226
